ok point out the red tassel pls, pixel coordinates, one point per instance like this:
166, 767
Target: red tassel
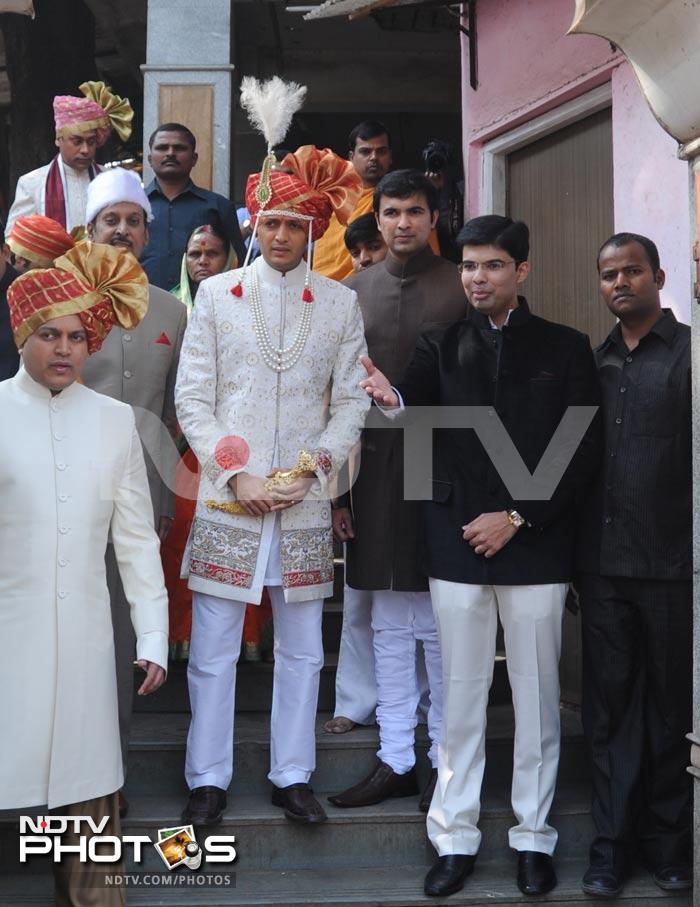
307, 295
237, 290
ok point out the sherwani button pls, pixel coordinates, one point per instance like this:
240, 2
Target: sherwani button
60, 466
61, 594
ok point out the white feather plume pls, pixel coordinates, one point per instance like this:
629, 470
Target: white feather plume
271, 105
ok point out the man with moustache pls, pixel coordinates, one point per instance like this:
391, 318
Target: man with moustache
635, 584
138, 367
389, 610
179, 205
369, 145
489, 555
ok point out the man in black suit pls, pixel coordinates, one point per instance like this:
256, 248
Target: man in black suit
636, 567
489, 554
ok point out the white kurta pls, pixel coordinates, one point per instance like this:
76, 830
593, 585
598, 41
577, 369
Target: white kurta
71, 471
30, 195
224, 388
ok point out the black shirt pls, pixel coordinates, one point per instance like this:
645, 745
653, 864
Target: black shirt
9, 357
638, 522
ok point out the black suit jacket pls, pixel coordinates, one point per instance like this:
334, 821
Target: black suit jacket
528, 374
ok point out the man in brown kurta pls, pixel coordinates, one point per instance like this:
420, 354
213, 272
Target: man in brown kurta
410, 292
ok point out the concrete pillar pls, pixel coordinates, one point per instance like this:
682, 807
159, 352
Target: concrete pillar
691, 153
187, 79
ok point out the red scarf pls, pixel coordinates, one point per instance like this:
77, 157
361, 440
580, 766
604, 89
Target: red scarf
54, 197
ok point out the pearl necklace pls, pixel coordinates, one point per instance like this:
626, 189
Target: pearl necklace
279, 360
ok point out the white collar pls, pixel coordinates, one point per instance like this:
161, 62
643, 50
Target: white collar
26, 383
293, 278
495, 326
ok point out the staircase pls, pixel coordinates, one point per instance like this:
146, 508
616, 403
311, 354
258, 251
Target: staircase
371, 856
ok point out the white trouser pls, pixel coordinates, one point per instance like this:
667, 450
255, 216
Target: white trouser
217, 626
355, 681
355, 684
399, 620
466, 616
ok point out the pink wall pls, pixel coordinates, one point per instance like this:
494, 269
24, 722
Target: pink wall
528, 65
652, 188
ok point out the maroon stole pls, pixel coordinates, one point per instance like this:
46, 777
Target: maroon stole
54, 198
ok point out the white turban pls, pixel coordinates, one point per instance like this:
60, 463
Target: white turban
111, 187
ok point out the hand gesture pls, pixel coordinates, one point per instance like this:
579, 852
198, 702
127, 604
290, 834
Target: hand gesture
376, 384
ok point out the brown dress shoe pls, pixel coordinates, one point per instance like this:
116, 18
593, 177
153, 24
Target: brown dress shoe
382, 782
123, 805
299, 804
205, 806
427, 794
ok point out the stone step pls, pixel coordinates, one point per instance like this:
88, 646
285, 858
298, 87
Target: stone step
372, 836
254, 686
492, 883
369, 837
157, 752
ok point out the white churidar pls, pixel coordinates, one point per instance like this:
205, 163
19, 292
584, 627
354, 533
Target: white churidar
217, 625
466, 616
355, 683
399, 620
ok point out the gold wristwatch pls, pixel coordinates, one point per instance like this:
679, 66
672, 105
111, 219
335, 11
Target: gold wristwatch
515, 519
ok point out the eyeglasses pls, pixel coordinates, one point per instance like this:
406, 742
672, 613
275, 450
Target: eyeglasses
491, 267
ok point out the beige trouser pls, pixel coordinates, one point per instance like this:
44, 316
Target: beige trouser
466, 617
82, 884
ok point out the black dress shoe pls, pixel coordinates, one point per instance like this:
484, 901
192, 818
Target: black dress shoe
427, 794
535, 872
205, 806
603, 881
449, 874
382, 782
299, 804
674, 877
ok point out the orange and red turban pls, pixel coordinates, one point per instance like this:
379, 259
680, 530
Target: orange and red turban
318, 185
39, 239
103, 285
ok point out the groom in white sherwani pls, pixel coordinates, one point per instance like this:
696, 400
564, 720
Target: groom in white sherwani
269, 370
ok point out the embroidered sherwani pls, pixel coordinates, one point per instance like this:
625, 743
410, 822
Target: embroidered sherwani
71, 472
224, 388
30, 195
